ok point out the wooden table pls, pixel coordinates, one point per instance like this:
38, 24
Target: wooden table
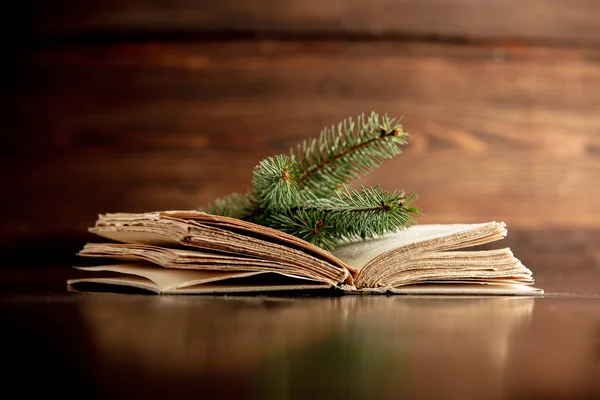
145, 346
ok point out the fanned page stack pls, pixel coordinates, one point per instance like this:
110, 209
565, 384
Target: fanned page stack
190, 252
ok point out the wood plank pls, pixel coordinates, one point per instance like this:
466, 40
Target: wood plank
509, 134
133, 96
64, 195
545, 20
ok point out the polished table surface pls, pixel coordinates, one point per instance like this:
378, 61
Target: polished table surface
102, 345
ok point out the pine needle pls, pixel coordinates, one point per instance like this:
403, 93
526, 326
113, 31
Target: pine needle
305, 193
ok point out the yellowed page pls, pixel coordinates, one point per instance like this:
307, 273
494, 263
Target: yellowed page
179, 228
163, 280
451, 288
481, 265
357, 254
254, 229
138, 237
196, 259
166, 278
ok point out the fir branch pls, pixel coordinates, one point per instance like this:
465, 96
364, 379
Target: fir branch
305, 194
346, 153
348, 215
274, 183
369, 212
307, 224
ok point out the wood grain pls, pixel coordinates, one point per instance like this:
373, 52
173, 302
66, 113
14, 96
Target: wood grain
538, 20
508, 133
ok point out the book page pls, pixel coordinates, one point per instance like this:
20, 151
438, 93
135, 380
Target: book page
252, 229
357, 254
137, 237
475, 265
163, 280
452, 288
168, 278
177, 258
187, 229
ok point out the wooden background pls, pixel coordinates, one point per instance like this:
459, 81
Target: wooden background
130, 105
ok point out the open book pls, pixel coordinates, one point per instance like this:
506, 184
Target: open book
190, 252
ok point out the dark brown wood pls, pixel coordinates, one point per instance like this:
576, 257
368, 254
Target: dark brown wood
507, 133
551, 20
244, 347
